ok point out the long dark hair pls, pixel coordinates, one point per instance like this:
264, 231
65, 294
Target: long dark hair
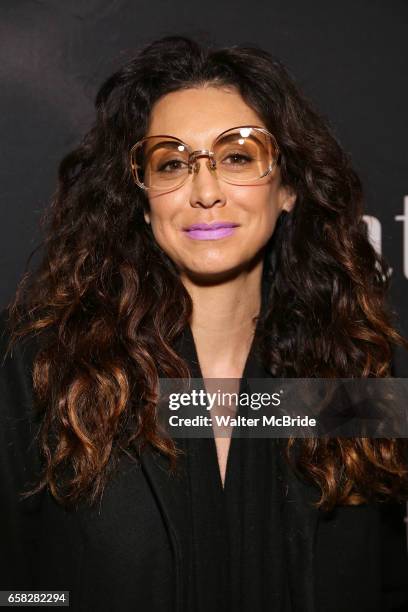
109, 304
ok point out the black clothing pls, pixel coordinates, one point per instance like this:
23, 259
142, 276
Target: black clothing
162, 543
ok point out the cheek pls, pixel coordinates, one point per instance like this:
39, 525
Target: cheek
164, 236
259, 206
164, 217
271, 217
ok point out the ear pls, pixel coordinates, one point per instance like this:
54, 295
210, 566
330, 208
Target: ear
288, 198
146, 217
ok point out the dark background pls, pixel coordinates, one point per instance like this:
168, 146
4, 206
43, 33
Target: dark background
350, 57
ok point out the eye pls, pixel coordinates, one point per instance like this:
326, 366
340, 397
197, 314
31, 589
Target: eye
173, 165
238, 158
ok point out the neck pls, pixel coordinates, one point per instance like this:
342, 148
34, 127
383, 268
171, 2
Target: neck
222, 322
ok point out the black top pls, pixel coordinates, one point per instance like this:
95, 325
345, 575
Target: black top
238, 548
159, 543
239, 558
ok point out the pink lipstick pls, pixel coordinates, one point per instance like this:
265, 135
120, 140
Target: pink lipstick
210, 231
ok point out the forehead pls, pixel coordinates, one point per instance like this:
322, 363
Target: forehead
198, 115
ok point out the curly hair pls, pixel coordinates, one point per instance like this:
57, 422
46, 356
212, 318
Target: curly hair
108, 302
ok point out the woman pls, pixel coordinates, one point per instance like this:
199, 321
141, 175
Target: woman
136, 285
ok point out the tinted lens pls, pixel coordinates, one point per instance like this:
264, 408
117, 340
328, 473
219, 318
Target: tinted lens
161, 163
244, 154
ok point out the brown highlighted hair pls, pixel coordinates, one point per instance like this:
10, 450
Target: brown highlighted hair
109, 303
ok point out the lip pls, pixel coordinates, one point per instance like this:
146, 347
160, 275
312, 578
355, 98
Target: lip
211, 234
210, 226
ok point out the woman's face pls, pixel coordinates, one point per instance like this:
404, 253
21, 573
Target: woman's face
197, 117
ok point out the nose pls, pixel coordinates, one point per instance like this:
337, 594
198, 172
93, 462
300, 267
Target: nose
205, 187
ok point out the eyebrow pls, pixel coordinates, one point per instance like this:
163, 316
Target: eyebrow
228, 136
183, 140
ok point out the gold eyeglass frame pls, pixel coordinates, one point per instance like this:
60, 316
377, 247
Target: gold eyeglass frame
194, 155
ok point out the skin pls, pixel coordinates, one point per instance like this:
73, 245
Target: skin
222, 276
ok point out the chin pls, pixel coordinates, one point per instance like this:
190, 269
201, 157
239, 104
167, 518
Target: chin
215, 274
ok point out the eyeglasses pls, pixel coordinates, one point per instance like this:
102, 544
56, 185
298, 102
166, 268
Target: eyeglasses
239, 155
